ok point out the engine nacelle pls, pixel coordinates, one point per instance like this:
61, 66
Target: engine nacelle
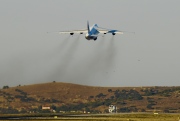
71, 33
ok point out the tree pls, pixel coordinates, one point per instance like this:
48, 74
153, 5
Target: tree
23, 111
91, 96
5, 87
125, 109
112, 97
166, 111
53, 107
100, 95
87, 109
142, 110
109, 90
149, 106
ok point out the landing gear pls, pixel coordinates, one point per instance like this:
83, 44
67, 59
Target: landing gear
113, 33
95, 39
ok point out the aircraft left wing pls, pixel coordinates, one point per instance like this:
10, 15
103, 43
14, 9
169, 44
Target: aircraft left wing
82, 31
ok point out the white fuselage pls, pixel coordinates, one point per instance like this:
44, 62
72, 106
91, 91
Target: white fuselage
93, 33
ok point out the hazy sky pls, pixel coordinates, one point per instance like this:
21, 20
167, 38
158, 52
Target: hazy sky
150, 57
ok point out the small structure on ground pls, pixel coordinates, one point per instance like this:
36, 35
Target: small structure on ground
112, 109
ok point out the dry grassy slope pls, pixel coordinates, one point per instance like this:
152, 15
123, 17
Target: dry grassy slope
65, 92
74, 93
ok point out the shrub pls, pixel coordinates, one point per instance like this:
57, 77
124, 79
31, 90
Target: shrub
5, 87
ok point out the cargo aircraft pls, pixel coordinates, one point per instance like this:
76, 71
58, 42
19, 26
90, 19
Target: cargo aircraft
92, 32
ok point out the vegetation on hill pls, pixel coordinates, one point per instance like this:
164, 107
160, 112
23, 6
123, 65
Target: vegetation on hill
65, 97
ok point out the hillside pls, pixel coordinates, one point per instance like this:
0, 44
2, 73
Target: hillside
73, 97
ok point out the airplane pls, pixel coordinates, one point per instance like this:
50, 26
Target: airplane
92, 32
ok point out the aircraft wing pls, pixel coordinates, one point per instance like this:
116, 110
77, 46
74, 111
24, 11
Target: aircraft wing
82, 31
104, 30
110, 31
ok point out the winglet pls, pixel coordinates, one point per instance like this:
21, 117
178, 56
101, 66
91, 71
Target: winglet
88, 26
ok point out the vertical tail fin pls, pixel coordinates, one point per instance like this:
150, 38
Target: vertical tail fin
88, 26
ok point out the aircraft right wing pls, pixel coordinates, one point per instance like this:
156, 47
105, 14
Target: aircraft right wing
104, 31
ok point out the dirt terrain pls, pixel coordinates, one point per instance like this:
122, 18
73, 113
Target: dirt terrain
58, 94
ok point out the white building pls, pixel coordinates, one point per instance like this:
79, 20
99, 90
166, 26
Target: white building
112, 109
46, 107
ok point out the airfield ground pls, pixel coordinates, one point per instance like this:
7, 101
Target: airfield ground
102, 117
